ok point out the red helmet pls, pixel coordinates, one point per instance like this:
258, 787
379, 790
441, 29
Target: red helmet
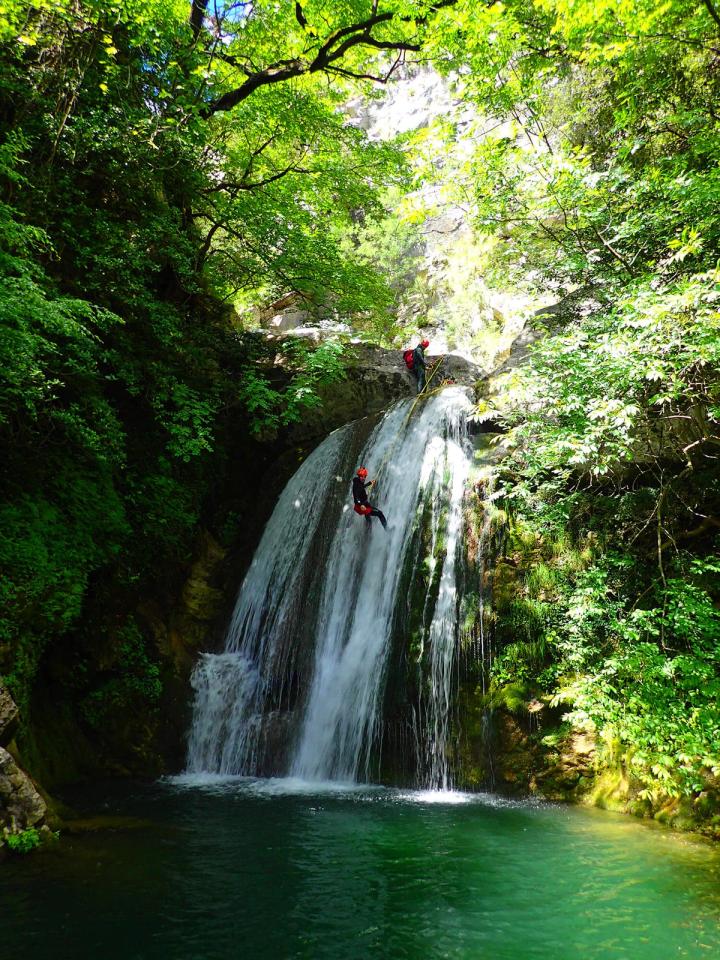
362, 472
425, 344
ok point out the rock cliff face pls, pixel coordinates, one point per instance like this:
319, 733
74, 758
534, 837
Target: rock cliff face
64, 737
513, 743
516, 736
375, 378
21, 806
9, 715
197, 618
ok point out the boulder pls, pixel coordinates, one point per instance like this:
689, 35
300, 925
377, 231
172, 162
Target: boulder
289, 319
21, 806
8, 716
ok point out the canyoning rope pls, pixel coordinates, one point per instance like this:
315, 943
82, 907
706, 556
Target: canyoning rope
434, 371
423, 393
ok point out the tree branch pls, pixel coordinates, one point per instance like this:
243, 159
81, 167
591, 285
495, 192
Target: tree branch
367, 76
609, 247
276, 73
197, 17
205, 248
355, 34
254, 154
240, 185
332, 49
712, 11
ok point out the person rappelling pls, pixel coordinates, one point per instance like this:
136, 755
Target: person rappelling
415, 362
363, 507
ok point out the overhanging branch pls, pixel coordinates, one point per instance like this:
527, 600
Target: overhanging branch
712, 11
331, 50
197, 17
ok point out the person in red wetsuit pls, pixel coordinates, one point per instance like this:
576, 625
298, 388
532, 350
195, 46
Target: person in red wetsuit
416, 363
360, 498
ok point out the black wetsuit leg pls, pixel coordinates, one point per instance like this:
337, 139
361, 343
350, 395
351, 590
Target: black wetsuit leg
376, 513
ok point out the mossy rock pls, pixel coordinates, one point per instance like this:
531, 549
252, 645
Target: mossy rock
611, 790
512, 697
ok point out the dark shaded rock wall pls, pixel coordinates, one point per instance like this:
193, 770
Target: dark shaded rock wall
67, 734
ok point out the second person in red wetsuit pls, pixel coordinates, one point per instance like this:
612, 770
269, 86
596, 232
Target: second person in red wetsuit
360, 498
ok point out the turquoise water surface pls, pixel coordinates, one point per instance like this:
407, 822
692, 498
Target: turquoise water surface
273, 869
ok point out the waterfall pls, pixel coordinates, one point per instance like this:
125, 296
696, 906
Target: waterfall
421, 461
444, 628
236, 689
485, 648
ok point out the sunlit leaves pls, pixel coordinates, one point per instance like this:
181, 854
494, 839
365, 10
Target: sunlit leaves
602, 387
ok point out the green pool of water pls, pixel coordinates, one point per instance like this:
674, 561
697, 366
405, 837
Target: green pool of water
252, 871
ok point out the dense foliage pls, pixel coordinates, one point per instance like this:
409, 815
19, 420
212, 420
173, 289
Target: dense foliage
603, 181
154, 176
165, 165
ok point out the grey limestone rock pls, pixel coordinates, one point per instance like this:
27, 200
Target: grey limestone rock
8, 716
21, 806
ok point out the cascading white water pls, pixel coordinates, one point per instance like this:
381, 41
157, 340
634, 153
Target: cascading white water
443, 633
421, 462
360, 597
231, 689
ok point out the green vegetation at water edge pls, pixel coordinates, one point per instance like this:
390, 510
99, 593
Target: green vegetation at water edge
603, 185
